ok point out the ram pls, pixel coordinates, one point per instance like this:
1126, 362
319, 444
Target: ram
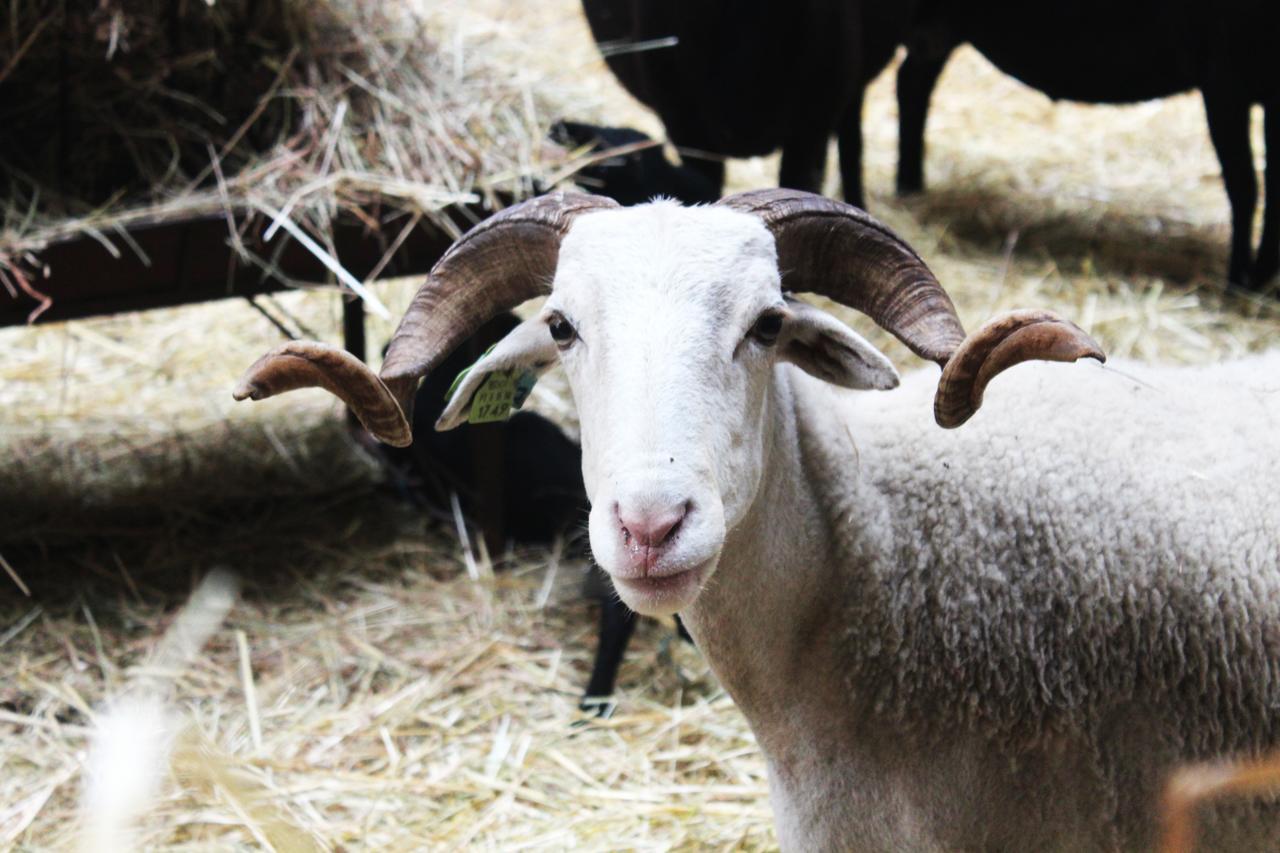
998, 637
745, 78
1116, 52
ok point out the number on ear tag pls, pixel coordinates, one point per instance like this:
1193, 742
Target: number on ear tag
499, 393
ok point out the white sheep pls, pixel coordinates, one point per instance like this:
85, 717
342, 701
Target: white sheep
999, 637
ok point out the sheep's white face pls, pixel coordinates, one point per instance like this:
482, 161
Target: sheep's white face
668, 321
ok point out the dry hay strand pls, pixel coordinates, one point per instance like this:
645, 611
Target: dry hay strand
288, 113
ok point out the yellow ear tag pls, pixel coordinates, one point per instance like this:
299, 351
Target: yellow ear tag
499, 393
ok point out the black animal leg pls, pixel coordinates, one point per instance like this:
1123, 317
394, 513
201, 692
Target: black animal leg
804, 163
849, 137
917, 76
617, 623
1268, 262
1228, 116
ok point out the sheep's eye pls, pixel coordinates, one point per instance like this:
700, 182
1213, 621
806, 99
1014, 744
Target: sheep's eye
562, 331
767, 328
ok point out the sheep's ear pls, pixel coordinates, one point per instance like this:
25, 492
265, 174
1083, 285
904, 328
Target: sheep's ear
501, 380
822, 346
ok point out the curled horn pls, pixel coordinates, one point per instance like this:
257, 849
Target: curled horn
1009, 339
308, 364
837, 250
503, 261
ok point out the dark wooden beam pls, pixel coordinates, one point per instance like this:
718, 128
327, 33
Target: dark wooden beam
193, 261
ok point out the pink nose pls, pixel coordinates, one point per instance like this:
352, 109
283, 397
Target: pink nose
650, 527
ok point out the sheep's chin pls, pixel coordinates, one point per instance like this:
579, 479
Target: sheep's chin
663, 596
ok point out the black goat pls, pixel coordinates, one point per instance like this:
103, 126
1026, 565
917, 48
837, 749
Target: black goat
1117, 51
747, 77
525, 474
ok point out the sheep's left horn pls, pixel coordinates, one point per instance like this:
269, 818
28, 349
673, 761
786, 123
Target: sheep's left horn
835, 249
1009, 339
505, 260
307, 364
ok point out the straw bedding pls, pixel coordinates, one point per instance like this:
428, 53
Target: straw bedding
126, 112
369, 690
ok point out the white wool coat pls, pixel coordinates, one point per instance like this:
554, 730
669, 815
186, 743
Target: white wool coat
1012, 631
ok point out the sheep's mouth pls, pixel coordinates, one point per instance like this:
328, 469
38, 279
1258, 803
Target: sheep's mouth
655, 594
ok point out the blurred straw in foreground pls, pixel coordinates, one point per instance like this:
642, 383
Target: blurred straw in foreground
134, 737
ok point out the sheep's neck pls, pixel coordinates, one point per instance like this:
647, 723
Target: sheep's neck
771, 619
768, 619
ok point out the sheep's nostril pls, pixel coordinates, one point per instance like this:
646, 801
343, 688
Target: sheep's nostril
670, 534
651, 527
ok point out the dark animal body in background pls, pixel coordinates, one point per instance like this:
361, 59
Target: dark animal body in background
748, 77
1117, 51
536, 491
636, 177
537, 483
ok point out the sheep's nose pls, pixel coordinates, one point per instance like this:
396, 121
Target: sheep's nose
650, 527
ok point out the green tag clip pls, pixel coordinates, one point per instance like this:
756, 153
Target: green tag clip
500, 393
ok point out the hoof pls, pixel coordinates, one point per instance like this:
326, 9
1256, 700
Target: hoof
908, 186
1264, 273
599, 707
1240, 272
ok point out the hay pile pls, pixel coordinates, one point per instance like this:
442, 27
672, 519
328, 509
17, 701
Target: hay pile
390, 700
400, 701
123, 112
123, 98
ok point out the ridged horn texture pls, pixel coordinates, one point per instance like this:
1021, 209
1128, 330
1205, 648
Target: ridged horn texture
307, 364
503, 261
1009, 339
835, 249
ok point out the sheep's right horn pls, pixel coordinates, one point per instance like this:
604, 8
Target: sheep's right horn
1009, 339
835, 249
308, 364
505, 260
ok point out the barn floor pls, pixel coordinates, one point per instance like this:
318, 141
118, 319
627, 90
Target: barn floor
370, 689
